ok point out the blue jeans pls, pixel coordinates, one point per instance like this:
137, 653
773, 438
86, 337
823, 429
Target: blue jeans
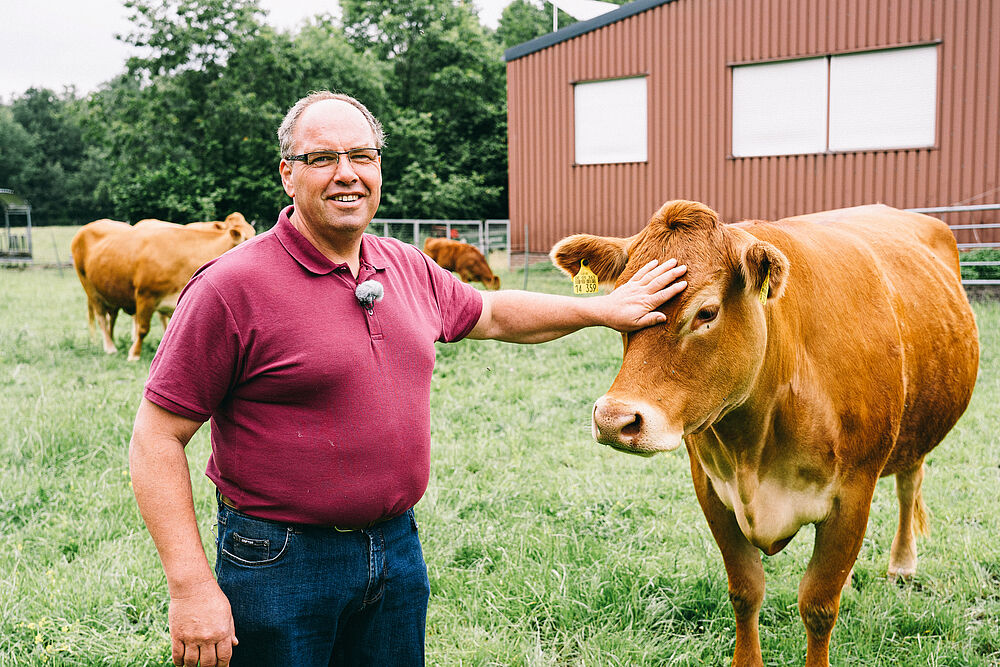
311, 595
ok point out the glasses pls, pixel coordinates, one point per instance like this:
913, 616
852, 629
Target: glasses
357, 156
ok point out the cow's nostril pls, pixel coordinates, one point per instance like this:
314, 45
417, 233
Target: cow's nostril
633, 428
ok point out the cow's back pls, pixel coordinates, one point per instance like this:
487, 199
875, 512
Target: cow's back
873, 281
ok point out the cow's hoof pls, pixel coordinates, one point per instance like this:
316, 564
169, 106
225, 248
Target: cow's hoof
902, 573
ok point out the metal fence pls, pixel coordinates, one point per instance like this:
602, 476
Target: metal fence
964, 232
487, 235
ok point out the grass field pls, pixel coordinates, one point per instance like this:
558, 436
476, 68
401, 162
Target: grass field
543, 548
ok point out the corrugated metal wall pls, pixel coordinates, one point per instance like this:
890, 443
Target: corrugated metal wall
686, 48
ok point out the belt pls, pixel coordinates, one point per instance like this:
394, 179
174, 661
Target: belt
340, 529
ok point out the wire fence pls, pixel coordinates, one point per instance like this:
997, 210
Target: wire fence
973, 239
487, 235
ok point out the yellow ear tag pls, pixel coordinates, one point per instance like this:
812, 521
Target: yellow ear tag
765, 287
585, 281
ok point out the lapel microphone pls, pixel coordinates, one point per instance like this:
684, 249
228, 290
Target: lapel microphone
368, 293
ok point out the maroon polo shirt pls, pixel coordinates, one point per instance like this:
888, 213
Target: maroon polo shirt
319, 409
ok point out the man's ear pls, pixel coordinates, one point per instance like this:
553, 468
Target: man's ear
285, 169
762, 262
606, 256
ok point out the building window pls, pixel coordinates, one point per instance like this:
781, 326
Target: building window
610, 121
877, 100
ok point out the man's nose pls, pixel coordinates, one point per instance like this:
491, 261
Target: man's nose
345, 171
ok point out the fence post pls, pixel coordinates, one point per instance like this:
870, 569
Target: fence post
525, 257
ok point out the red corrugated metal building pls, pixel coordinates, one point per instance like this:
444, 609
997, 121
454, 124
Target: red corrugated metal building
758, 108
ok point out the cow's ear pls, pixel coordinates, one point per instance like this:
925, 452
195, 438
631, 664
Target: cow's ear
762, 262
236, 233
606, 255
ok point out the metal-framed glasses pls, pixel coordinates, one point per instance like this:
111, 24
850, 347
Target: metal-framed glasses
329, 158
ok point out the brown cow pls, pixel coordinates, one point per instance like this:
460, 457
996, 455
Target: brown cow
142, 269
462, 258
807, 358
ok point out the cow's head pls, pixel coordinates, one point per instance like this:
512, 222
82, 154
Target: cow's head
239, 229
682, 376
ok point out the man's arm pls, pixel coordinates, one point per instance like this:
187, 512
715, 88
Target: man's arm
532, 317
201, 621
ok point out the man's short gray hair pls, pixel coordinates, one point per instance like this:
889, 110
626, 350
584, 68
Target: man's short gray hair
286, 141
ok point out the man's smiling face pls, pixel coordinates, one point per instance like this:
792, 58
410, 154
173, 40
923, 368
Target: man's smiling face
333, 200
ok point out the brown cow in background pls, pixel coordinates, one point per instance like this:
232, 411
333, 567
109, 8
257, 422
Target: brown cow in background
462, 258
142, 269
806, 358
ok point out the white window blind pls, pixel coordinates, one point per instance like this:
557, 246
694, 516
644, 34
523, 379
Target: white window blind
877, 100
883, 99
779, 108
610, 121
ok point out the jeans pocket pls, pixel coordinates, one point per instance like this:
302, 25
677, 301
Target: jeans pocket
253, 543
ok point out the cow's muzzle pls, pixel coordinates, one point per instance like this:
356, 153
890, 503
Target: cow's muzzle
633, 426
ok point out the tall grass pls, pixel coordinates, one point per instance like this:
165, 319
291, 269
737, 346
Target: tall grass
543, 548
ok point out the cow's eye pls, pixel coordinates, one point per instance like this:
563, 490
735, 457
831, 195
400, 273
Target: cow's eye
705, 315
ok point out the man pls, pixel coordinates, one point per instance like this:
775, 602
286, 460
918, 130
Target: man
319, 407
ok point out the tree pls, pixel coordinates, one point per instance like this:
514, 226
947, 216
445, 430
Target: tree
522, 20
448, 91
192, 127
43, 132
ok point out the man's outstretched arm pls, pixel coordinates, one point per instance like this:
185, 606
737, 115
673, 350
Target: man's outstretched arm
533, 317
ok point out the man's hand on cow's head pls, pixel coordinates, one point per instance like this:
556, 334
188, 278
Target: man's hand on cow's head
632, 305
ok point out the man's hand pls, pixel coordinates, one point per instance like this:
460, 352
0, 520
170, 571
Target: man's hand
201, 627
632, 305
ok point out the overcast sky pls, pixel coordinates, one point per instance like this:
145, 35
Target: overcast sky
56, 43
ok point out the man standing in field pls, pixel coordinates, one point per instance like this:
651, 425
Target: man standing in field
318, 396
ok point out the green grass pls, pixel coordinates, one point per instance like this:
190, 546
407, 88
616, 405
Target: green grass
543, 548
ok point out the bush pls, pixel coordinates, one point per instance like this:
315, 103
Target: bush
989, 272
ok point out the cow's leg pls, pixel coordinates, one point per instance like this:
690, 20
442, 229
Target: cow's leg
90, 319
743, 568
144, 309
912, 521
838, 541
106, 323
164, 318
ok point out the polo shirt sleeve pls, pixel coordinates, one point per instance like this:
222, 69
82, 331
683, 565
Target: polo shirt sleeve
460, 304
198, 358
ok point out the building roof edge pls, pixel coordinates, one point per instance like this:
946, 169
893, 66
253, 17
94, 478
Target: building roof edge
580, 28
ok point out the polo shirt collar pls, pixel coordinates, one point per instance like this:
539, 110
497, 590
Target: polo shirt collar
306, 254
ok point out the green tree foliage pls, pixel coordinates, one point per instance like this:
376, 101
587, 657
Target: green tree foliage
192, 125
446, 154
188, 131
52, 165
521, 21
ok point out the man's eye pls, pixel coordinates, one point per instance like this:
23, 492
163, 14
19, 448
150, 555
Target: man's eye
362, 157
323, 159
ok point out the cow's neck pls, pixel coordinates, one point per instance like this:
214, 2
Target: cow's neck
765, 457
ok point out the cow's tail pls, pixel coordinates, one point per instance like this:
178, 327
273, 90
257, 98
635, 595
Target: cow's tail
921, 523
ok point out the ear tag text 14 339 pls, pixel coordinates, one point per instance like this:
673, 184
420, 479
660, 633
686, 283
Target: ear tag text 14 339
585, 281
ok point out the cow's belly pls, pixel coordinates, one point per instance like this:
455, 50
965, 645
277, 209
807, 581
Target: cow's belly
168, 304
772, 510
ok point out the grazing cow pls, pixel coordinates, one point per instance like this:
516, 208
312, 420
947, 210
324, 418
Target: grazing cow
807, 358
142, 269
462, 258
